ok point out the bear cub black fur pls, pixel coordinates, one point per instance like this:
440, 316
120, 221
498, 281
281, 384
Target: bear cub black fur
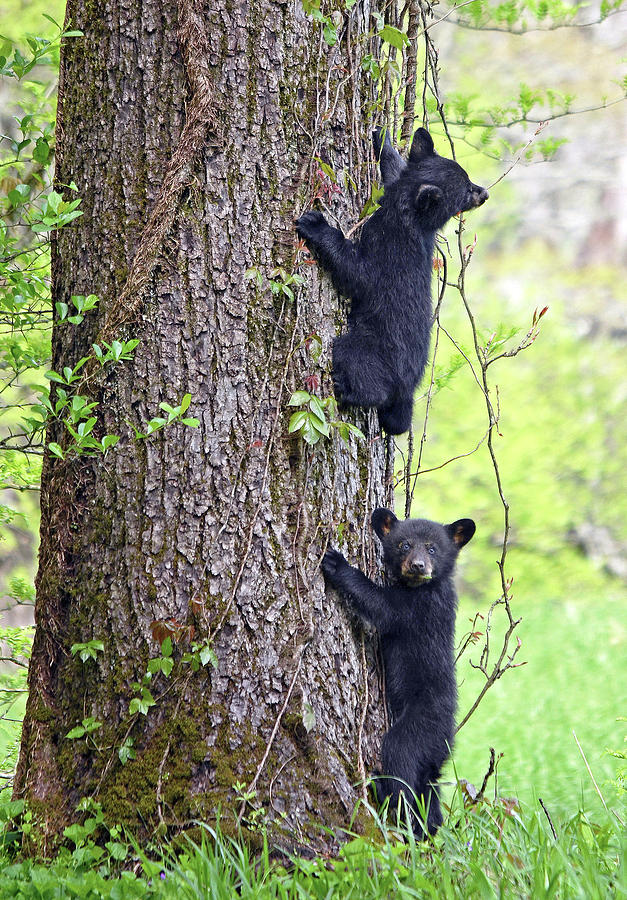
415, 617
387, 275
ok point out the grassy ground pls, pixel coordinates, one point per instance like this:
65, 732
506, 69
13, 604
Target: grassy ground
492, 851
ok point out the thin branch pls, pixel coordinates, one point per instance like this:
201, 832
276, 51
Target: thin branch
253, 784
554, 26
492, 767
519, 156
16, 662
361, 768
447, 462
528, 120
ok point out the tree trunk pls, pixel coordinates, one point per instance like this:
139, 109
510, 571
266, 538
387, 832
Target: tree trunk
192, 134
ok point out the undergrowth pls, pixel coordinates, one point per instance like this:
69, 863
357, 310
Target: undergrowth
491, 849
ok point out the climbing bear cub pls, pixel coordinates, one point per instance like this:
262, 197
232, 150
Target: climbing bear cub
415, 617
387, 275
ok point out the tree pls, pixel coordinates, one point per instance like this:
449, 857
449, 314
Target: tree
186, 659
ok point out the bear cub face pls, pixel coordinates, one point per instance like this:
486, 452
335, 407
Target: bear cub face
417, 551
439, 186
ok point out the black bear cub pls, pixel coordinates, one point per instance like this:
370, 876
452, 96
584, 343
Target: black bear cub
415, 617
387, 275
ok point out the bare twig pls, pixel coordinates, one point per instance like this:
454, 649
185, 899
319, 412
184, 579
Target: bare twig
506, 658
253, 784
361, 768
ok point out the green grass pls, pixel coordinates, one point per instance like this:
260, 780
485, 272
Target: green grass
531, 713
487, 852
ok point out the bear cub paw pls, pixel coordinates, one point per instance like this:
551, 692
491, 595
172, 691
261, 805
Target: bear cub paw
309, 224
331, 562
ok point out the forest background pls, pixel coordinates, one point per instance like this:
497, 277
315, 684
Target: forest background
553, 234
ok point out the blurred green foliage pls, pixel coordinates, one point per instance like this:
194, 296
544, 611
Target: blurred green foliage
562, 452
20, 17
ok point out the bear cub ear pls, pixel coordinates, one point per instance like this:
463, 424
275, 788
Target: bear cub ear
461, 531
383, 521
421, 146
428, 197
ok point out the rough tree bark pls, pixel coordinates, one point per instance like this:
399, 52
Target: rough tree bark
207, 118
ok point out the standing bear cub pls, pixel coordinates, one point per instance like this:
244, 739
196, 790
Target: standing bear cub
415, 617
387, 275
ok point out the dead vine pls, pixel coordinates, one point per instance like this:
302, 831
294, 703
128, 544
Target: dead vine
200, 116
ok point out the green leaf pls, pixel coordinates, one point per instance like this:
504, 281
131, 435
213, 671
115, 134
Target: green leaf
207, 655
316, 408
84, 428
10, 809
19, 194
314, 342
309, 717
167, 665
160, 664
328, 171
41, 151
394, 36
329, 34
109, 440
298, 398
297, 420
320, 425
311, 435
77, 732
254, 274
117, 850
373, 201
56, 450
126, 752
87, 650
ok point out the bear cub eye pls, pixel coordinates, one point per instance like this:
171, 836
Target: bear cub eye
404, 546
431, 550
